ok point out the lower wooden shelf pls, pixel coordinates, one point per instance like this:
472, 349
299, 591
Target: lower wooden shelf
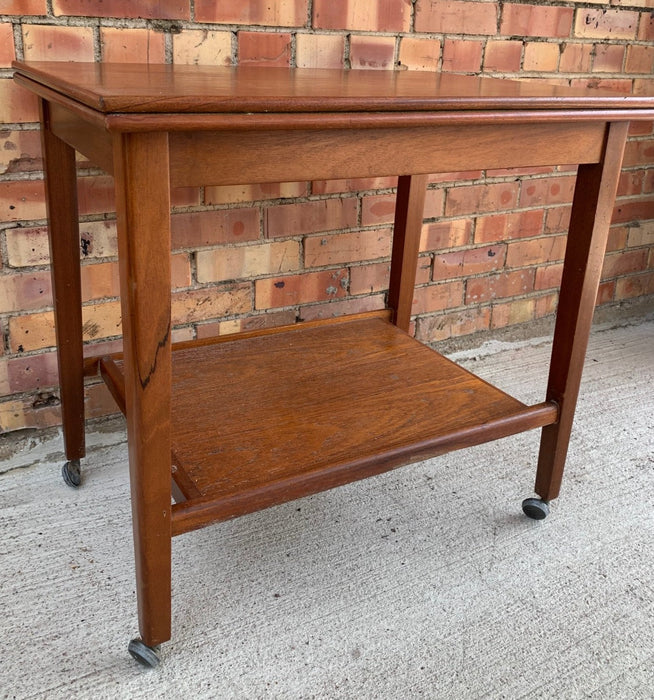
264, 418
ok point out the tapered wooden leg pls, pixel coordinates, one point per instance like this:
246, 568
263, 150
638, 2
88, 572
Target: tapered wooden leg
63, 234
143, 207
409, 210
589, 226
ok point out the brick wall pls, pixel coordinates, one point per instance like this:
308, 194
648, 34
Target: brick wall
328, 242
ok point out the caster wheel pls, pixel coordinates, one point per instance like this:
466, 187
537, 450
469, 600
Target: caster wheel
535, 508
141, 652
71, 473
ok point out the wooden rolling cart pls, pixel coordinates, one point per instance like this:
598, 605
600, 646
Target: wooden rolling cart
251, 420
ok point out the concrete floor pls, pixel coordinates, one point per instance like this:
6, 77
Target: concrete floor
424, 582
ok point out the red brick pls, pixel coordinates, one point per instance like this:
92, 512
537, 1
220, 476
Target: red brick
419, 54
636, 286
555, 190
347, 247
507, 284
98, 239
436, 297
300, 289
619, 84
541, 56
131, 45
16, 103
22, 200
461, 56
377, 209
265, 49
545, 305
202, 46
575, 58
310, 217
27, 246
457, 177
631, 183
548, 277
513, 312
241, 262
499, 227
273, 13
503, 56
609, 58
32, 373
249, 323
432, 329
205, 228
646, 26
642, 234
557, 220
159, 9
213, 302
380, 16
468, 262
319, 51
231, 194
624, 263
606, 24
536, 20
536, 251
7, 53
43, 42
617, 239
95, 194
23, 7
20, 152
481, 198
636, 209
640, 59
352, 185
456, 17
366, 279
642, 86
445, 234
332, 309
372, 52
25, 291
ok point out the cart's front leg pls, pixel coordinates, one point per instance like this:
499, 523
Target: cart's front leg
592, 209
143, 205
63, 233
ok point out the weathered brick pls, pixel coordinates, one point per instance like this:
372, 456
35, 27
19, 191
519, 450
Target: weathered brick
44, 42
16, 103
545, 191
131, 45
249, 323
247, 261
22, 200
545, 305
32, 373
205, 228
310, 217
319, 51
347, 247
232, 194
98, 239
366, 279
536, 251
195, 305
372, 52
536, 20
609, 58
27, 246
503, 56
161, 9
7, 53
548, 277
541, 56
436, 297
499, 227
557, 220
512, 312
25, 291
472, 261
381, 16
419, 54
643, 234
332, 309
619, 84
575, 58
300, 289
264, 48
20, 151
445, 234
20, 413
640, 59
481, 198
456, 17
431, 329
606, 24
506, 284
274, 13
636, 286
203, 47
462, 56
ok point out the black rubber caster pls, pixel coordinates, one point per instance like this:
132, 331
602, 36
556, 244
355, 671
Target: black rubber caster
535, 508
141, 652
72, 473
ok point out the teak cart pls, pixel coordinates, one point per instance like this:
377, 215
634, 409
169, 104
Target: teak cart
251, 420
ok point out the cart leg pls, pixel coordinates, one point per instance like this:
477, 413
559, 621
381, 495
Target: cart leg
63, 234
143, 206
409, 209
589, 226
